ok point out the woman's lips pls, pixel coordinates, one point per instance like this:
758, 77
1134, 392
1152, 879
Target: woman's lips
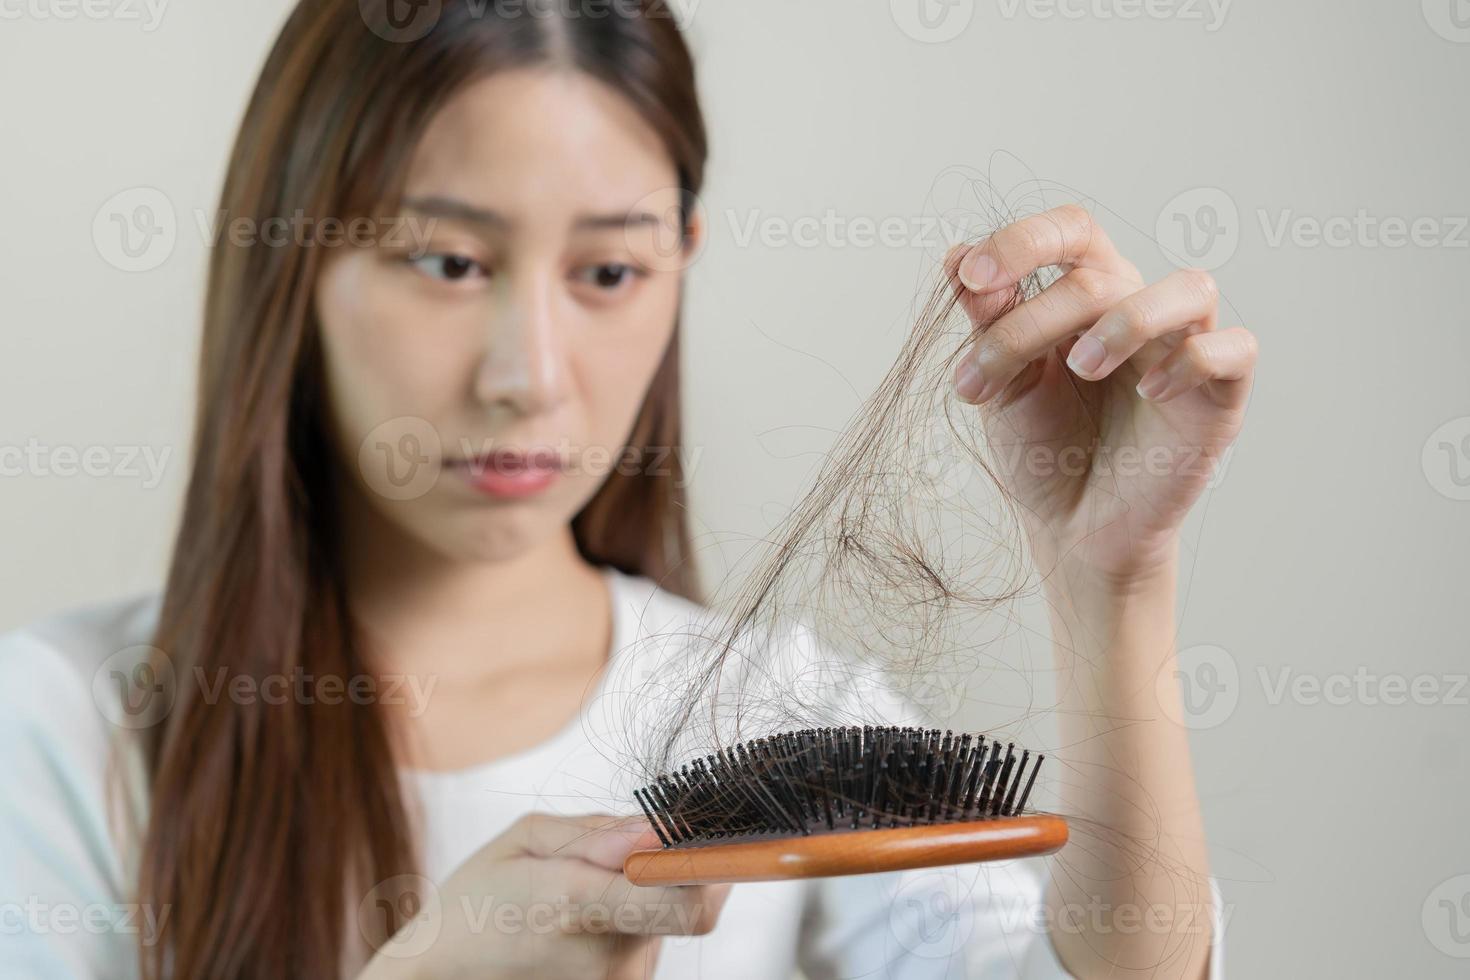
511, 472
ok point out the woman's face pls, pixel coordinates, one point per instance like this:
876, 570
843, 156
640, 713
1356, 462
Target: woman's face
486, 360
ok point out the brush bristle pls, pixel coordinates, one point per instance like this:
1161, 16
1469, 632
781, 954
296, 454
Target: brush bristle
821, 780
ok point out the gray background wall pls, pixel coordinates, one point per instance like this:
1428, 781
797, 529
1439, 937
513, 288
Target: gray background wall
1298, 142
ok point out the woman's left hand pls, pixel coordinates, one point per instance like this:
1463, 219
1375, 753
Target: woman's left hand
1108, 401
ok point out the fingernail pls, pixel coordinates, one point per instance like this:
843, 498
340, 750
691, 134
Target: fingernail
1087, 356
967, 381
979, 272
1153, 384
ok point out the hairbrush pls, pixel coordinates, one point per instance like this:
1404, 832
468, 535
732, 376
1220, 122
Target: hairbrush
823, 802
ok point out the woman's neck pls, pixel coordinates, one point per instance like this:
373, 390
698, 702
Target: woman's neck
502, 653
425, 611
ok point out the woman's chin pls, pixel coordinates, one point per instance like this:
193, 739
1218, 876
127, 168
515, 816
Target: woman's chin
504, 534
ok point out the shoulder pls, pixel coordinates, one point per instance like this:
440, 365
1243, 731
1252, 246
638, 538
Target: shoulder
71, 664
65, 822
647, 609
68, 693
71, 711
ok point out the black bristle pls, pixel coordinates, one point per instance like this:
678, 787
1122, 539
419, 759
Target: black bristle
1001, 780
1010, 800
974, 765
638, 795
1026, 793
825, 780
987, 779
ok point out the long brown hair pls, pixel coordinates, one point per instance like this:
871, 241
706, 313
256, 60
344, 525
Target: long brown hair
262, 816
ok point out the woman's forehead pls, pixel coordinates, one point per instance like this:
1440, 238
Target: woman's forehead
557, 139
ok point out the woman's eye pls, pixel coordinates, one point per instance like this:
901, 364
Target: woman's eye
609, 275
448, 267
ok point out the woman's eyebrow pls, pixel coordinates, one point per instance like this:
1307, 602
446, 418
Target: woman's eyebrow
453, 209
615, 221
437, 206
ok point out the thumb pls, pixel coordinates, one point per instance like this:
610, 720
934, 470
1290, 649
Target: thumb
599, 839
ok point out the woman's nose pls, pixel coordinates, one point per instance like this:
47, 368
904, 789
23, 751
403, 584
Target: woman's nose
524, 364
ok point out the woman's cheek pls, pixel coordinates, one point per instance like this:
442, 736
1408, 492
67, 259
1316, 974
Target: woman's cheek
411, 349
387, 357
627, 369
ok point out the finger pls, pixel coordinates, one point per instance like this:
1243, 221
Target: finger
1187, 300
1071, 304
600, 901
1224, 356
1064, 236
611, 956
634, 957
982, 308
601, 840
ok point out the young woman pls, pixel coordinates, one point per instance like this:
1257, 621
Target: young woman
352, 736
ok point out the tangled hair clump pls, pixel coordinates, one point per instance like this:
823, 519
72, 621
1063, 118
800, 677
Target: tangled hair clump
888, 580
878, 580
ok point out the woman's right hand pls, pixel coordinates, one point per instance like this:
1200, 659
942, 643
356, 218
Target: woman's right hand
548, 899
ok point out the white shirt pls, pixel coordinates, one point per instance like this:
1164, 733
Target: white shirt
67, 855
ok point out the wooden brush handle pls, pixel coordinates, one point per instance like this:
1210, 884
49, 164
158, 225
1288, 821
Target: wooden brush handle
849, 852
